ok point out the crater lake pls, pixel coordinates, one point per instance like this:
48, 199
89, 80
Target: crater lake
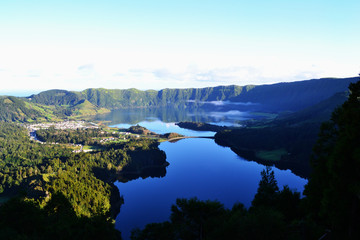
198, 167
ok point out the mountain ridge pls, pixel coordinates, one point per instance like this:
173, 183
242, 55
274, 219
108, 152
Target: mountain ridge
270, 96
280, 97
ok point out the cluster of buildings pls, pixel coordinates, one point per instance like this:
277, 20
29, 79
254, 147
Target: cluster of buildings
62, 125
58, 125
73, 125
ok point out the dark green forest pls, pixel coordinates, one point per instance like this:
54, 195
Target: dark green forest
23, 219
76, 136
37, 173
286, 141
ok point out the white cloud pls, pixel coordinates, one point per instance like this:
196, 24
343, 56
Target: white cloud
86, 67
48, 67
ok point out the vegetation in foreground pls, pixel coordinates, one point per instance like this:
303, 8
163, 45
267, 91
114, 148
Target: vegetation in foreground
24, 219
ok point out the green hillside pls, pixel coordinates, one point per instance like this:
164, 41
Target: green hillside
286, 141
86, 108
55, 97
13, 109
292, 96
117, 98
319, 112
281, 97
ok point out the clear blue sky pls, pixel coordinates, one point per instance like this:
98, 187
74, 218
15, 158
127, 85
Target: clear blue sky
156, 44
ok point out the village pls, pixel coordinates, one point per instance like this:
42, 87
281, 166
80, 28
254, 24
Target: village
74, 125
62, 125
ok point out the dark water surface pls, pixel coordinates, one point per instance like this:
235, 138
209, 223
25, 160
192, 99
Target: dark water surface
198, 168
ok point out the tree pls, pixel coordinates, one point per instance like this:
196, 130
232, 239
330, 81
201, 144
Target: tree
195, 219
333, 190
268, 189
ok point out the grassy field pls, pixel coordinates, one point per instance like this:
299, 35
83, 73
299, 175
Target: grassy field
273, 155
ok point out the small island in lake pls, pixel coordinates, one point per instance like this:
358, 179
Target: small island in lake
199, 126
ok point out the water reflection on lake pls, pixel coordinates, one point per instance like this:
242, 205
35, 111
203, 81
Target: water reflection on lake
163, 127
198, 167
172, 115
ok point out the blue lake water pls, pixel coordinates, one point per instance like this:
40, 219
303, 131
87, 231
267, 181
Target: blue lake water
163, 127
198, 168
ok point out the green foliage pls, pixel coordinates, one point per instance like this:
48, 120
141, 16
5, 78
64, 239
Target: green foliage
269, 196
193, 219
55, 97
21, 219
291, 145
268, 189
23, 162
39, 170
199, 126
140, 130
86, 108
13, 109
88, 136
273, 155
333, 190
154, 231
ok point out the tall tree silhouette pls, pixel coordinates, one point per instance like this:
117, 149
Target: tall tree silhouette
268, 189
334, 187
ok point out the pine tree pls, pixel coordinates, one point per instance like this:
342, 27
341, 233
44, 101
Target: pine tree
268, 189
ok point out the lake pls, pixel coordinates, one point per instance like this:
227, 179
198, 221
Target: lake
198, 168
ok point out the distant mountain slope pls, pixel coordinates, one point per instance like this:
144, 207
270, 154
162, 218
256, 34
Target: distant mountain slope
13, 109
286, 141
51, 105
118, 98
319, 112
292, 96
86, 108
220, 93
56, 97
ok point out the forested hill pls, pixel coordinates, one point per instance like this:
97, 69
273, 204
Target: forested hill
295, 96
56, 97
127, 98
13, 109
59, 104
275, 97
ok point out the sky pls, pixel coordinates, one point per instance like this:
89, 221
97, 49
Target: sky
156, 44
